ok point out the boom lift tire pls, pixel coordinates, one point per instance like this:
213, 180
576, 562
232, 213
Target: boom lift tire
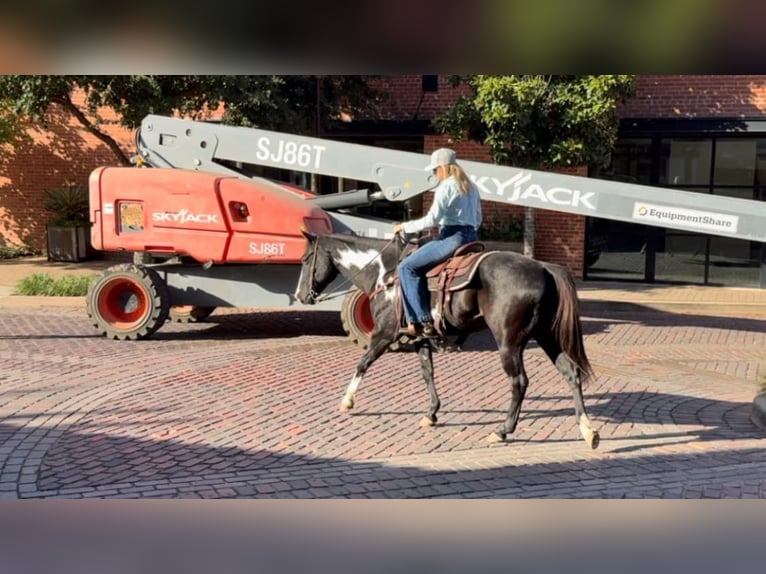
128, 302
356, 317
189, 313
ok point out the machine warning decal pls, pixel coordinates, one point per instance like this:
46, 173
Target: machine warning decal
131, 217
690, 218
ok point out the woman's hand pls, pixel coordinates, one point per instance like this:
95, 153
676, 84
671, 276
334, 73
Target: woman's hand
398, 229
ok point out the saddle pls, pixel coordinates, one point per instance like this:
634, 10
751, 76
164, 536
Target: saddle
449, 276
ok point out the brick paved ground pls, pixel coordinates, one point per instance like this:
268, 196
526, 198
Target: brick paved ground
246, 406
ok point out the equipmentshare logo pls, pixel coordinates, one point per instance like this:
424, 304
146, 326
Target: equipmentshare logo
689, 218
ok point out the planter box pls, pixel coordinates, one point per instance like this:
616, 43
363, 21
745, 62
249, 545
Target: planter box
69, 244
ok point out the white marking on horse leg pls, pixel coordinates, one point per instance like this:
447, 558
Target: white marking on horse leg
348, 399
590, 434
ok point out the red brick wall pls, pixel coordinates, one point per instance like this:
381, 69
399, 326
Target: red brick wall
409, 101
697, 96
560, 237
64, 153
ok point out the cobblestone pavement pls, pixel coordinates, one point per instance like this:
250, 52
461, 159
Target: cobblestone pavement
246, 405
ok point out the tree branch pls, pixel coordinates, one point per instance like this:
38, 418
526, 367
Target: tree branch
66, 102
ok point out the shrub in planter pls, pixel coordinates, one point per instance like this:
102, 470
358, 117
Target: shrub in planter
70, 206
69, 230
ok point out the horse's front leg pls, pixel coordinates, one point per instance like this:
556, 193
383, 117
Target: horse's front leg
378, 346
427, 367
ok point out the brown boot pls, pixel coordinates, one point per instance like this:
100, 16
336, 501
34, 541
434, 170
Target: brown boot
428, 330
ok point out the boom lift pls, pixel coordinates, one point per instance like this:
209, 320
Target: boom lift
217, 236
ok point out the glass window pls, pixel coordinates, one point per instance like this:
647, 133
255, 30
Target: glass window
681, 257
734, 262
631, 161
760, 162
685, 162
735, 162
741, 192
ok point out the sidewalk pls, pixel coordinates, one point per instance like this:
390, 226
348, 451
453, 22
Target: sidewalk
12, 271
596, 296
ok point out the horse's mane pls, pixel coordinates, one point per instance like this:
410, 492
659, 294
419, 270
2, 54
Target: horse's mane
359, 241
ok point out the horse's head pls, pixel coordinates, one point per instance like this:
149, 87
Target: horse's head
317, 270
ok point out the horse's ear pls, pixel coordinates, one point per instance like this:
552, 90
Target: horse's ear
308, 235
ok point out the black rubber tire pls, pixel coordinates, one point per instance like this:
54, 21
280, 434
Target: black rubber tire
189, 313
356, 317
128, 302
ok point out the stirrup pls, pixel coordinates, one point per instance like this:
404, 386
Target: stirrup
428, 330
410, 329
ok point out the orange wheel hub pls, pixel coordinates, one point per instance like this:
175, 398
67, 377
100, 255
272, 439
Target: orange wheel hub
123, 302
362, 314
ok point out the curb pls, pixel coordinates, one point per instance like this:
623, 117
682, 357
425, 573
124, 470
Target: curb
23, 301
588, 305
709, 308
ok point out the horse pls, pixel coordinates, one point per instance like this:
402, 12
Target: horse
516, 297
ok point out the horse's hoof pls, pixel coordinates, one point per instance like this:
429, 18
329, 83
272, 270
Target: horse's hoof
427, 422
496, 438
593, 439
346, 406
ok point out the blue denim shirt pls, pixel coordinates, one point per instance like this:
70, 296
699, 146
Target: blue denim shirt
450, 207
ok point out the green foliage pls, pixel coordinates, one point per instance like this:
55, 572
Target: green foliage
43, 284
535, 120
11, 130
7, 122
16, 251
286, 103
291, 103
70, 204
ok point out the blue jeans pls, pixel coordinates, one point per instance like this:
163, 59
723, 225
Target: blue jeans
412, 270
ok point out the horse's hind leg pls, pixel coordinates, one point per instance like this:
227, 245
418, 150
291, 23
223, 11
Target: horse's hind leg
571, 373
378, 346
513, 365
427, 367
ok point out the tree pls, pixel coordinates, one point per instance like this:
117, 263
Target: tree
11, 130
538, 121
299, 104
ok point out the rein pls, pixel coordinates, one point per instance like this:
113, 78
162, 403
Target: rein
317, 297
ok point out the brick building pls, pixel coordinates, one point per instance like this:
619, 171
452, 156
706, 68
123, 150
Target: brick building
699, 133
60, 154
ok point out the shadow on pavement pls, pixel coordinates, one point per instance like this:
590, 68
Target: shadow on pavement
82, 458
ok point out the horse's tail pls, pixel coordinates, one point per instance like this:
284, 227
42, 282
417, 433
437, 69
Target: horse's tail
566, 326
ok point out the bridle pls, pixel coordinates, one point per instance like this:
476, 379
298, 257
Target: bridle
313, 295
316, 297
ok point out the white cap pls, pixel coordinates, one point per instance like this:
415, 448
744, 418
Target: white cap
442, 156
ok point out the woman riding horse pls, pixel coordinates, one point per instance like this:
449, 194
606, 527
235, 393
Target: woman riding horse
456, 209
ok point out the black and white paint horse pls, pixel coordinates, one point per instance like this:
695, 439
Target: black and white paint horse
516, 297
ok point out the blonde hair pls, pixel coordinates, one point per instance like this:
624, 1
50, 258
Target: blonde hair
457, 172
